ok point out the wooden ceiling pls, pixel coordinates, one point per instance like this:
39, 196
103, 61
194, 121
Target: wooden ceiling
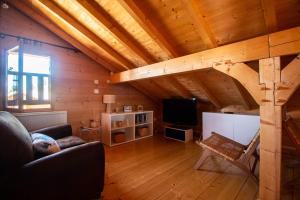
125, 34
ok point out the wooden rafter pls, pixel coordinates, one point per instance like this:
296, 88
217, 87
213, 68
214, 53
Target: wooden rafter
36, 16
116, 30
144, 91
210, 96
270, 15
162, 88
243, 96
155, 89
179, 87
63, 15
150, 26
200, 23
243, 51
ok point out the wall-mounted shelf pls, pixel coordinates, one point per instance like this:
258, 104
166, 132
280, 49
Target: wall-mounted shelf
128, 126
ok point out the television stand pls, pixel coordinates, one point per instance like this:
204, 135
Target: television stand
179, 133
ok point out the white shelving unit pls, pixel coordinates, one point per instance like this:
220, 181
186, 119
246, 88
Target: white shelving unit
128, 123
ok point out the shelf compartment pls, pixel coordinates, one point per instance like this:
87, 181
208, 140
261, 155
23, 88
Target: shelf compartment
123, 135
143, 131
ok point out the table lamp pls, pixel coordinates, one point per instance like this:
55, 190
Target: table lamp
109, 99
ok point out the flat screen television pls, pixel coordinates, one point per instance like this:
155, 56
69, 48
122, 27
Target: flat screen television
180, 111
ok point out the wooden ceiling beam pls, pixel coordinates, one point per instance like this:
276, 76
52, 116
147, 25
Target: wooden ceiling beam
55, 8
155, 89
290, 81
243, 51
247, 76
150, 26
281, 43
199, 21
285, 42
145, 92
36, 16
211, 97
270, 15
179, 87
116, 30
163, 90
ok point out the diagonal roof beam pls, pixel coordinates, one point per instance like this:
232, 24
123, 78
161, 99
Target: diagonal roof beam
77, 25
144, 19
145, 92
241, 92
200, 23
211, 97
36, 16
180, 87
116, 30
270, 15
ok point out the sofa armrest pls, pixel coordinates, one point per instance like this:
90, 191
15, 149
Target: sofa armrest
74, 173
56, 132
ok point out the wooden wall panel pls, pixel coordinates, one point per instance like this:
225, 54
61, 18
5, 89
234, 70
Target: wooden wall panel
72, 73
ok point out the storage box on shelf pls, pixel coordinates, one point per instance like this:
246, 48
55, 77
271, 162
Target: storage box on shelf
119, 128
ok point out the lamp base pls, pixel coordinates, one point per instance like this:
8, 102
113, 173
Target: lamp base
108, 108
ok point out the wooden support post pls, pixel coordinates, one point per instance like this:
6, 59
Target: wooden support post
271, 131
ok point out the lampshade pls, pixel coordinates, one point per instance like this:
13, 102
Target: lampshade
109, 98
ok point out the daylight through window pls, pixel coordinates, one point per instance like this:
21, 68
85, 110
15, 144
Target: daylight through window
27, 80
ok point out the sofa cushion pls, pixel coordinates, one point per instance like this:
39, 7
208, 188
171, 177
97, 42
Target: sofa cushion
15, 142
43, 145
69, 141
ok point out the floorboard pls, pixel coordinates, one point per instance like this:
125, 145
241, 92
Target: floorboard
159, 168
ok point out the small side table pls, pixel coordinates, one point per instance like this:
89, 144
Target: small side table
91, 134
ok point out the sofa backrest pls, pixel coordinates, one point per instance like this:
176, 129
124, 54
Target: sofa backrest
15, 143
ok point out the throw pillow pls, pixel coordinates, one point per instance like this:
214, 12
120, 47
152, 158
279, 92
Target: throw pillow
43, 145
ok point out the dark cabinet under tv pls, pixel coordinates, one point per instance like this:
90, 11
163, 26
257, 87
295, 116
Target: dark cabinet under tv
179, 134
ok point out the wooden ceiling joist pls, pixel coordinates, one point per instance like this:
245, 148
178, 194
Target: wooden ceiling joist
277, 44
150, 26
116, 30
200, 23
270, 15
36, 16
57, 10
243, 51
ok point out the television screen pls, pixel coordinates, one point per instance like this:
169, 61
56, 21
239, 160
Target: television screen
180, 111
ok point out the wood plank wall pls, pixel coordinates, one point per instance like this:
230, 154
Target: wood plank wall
73, 74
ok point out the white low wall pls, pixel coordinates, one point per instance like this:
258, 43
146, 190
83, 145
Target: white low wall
37, 120
240, 128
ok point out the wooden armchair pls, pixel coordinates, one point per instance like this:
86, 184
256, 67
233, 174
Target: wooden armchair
234, 152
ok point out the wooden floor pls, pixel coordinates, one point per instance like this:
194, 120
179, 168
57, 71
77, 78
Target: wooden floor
157, 168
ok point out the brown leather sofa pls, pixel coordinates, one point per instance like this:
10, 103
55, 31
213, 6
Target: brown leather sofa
73, 173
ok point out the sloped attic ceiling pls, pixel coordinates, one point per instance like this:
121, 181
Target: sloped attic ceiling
125, 34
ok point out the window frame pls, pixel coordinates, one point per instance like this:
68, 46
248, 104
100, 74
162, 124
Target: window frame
20, 74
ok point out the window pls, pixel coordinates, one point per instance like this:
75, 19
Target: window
27, 80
